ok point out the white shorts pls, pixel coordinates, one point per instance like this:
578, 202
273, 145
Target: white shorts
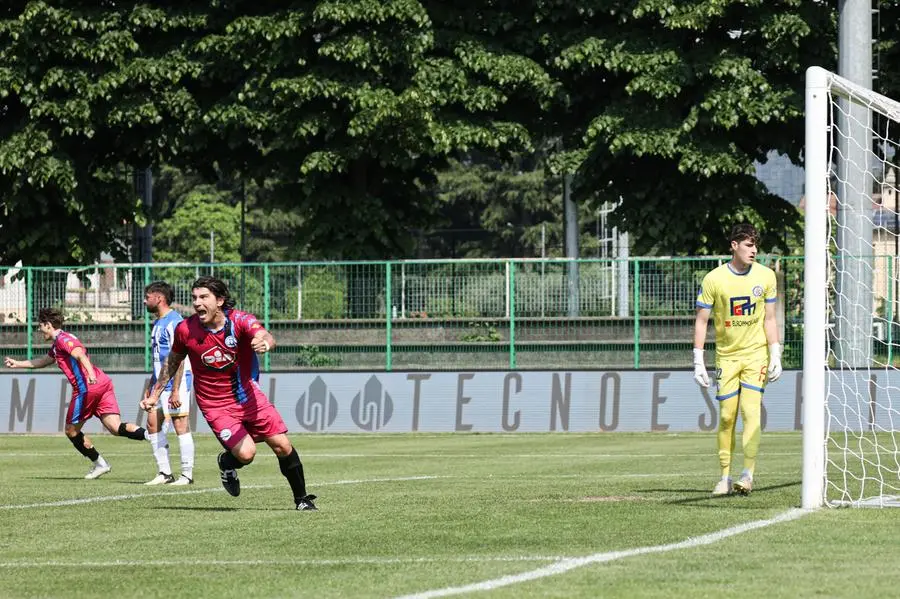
183, 410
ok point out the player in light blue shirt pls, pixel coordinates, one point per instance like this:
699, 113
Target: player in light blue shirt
175, 400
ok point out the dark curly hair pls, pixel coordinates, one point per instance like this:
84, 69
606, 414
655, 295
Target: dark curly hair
742, 231
51, 315
218, 289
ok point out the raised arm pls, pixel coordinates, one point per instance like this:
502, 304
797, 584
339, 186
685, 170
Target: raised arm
41, 362
262, 341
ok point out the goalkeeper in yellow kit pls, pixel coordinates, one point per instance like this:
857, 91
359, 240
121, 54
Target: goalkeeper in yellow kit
741, 297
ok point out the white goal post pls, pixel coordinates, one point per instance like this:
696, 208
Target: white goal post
851, 339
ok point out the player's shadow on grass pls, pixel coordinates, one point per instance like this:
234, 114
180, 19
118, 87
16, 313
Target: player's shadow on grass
705, 496
138, 483
70, 478
194, 508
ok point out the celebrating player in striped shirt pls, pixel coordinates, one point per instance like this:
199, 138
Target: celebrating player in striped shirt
222, 344
92, 390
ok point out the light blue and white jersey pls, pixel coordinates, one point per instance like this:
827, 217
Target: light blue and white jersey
161, 338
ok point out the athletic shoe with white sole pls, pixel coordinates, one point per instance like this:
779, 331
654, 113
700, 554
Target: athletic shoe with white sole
230, 479
305, 504
97, 470
723, 487
182, 481
744, 485
160, 479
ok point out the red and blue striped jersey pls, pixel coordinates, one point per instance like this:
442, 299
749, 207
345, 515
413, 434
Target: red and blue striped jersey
61, 351
225, 367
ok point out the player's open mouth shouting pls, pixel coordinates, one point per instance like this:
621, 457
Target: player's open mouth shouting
206, 307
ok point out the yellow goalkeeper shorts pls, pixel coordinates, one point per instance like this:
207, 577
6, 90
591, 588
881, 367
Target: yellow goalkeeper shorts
744, 375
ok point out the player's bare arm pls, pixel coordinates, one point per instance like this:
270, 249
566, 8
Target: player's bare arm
170, 367
174, 398
262, 342
701, 322
82, 357
770, 325
41, 362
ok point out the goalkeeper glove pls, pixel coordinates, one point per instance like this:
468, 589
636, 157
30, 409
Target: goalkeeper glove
774, 362
700, 374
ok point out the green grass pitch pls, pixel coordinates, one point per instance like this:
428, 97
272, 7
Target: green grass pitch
435, 515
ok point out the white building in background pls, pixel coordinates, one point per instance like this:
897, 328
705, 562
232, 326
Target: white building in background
103, 297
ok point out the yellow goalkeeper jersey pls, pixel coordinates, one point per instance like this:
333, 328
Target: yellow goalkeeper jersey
737, 301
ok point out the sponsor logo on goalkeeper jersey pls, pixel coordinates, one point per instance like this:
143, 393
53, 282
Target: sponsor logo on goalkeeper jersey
742, 306
741, 323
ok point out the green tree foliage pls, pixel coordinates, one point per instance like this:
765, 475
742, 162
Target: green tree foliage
887, 55
347, 110
340, 106
86, 89
667, 105
491, 208
185, 236
887, 49
270, 235
340, 113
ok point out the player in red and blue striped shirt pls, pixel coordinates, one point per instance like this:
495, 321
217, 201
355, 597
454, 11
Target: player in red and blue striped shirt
92, 390
223, 344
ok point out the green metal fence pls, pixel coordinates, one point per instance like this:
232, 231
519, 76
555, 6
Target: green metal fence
407, 315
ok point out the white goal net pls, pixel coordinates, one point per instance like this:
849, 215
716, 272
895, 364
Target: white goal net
851, 322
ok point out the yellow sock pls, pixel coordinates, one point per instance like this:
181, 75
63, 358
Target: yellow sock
726, 436
751, 408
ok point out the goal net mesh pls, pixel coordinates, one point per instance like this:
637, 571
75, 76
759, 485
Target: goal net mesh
862, 425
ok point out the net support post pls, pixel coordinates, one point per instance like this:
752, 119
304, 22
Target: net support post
148, 357
388, 317
815, 287
267, 301
29, 313
511, 310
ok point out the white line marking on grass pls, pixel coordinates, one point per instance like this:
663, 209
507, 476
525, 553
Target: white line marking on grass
565, 565
430, 456
103, 498
376, 561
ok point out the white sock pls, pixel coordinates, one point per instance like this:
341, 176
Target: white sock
747, 473
101, 461
160, 446
186, 448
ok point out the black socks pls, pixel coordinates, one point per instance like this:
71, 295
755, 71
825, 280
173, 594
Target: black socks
90, 453
292, 469
138, 434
